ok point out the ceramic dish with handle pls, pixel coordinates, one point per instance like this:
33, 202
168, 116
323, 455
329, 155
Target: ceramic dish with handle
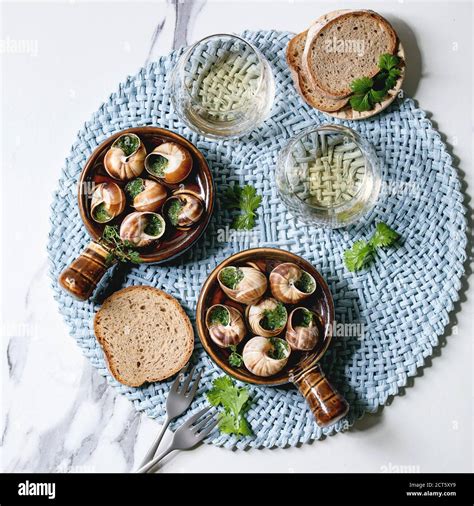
303, 368
81, 277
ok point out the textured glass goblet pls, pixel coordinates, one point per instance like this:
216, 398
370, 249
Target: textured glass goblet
222, 86
328, 176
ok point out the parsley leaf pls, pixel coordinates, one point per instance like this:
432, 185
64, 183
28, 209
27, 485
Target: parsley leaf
245, 199
235, 358
362, 252
235, 401
232, 196
356, 257
362, 102
367, 92
383, 236
228, 424
362, 85
388, 61
377, 95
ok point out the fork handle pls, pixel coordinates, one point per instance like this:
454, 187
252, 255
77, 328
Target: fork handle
150, 467
151, 452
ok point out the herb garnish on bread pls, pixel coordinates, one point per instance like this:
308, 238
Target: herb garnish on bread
332, 69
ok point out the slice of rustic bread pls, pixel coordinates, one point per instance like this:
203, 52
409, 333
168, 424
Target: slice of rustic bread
310, 94
345, 48
145, 334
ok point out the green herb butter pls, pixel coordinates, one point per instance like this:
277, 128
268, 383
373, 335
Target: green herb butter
158, 165
135, 187
100, 213
173, 211
219, 316
279, 350
127, 143
305, 284
274, 318
231, 277
154, 225
303, 318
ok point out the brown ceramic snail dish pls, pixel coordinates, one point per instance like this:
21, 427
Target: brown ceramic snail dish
145, 195
265, 317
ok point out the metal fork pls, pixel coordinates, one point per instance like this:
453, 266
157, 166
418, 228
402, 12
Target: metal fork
186, 436
177, 403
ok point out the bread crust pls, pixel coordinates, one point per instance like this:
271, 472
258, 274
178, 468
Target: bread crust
316, 30
187, 352
296, 74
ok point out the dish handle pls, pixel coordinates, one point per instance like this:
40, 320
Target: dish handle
80, 278
326, 403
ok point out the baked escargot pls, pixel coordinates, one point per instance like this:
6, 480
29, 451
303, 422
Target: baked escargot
142, 229
146, 195
302, 332
170, 162
226, 325
290, 284
242, 284
265, 357
108, 201
126, 157
267, 317
183, 209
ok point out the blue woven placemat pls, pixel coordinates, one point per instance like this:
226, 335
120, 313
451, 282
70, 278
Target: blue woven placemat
402, 300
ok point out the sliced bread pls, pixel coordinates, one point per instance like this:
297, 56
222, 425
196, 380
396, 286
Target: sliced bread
145, 334
345, 48
310, 94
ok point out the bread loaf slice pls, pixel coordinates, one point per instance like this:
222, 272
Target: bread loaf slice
345, 48
145, 334
310, 94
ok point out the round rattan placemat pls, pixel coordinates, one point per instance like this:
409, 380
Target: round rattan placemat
401, 302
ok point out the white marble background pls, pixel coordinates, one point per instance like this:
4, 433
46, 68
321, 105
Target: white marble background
57, 414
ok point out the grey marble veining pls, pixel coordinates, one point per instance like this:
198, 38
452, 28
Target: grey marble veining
95, 419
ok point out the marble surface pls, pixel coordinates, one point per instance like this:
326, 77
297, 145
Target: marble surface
57, 414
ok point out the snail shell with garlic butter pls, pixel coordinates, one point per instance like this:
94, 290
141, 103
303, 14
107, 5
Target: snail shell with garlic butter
290, 284
146, 195
242, 284
265, 357
267, 317
108, 201
141, 229
226, 325
302, 332
126, 158
183, 209
169, 161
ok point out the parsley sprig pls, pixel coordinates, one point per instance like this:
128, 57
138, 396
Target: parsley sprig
247, 201
123, 251
362, 251
235, 358
235, 402
367, 92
